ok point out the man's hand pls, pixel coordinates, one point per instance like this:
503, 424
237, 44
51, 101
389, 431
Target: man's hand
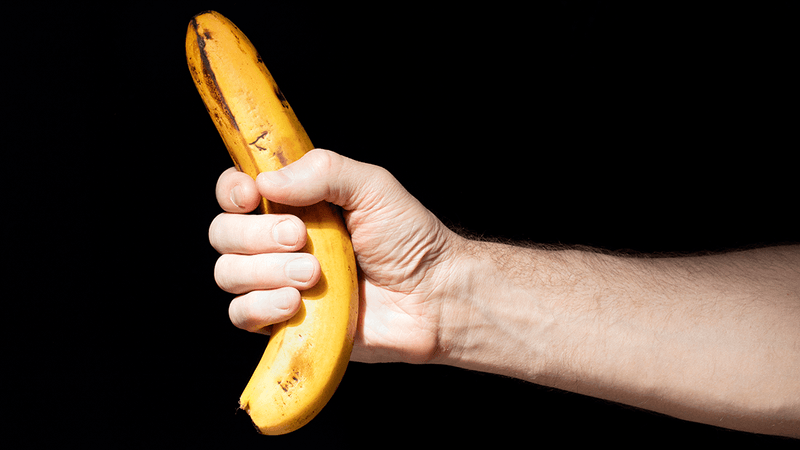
404, 252
711, 339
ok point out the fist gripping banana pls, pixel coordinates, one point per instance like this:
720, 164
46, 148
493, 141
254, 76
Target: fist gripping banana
306, 356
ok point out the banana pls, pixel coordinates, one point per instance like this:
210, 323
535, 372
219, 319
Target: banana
306, 356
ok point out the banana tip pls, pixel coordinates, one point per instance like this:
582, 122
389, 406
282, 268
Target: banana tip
202, 13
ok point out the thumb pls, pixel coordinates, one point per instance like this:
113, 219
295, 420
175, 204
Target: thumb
324, 175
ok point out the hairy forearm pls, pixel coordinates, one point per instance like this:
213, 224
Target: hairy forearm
714, 339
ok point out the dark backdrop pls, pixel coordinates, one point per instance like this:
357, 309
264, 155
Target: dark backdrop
646, 128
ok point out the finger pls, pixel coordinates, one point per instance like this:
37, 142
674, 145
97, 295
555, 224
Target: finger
325, 175
236, 192
252, 234
259, 309
238, 274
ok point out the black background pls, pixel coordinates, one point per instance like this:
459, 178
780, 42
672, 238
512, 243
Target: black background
664, 127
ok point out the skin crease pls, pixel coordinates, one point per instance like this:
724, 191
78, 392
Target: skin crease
713, 339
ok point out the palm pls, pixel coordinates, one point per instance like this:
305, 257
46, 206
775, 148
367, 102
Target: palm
399, 248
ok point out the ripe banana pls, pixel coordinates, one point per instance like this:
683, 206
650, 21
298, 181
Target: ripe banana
306, 356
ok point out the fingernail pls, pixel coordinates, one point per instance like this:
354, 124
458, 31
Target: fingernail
286, 233
300, 269
236, 196
280, 177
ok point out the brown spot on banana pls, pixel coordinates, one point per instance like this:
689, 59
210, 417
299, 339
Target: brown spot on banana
281, 157
262, 144
283, 100
209, 78
260, 147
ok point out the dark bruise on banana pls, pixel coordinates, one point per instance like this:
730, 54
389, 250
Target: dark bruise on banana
209, 79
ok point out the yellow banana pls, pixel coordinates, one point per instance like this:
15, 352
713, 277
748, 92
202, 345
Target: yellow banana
306, 356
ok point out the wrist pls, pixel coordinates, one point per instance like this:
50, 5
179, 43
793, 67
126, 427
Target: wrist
492, 319
456, 303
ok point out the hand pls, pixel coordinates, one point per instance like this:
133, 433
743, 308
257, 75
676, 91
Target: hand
637, 331
406, 255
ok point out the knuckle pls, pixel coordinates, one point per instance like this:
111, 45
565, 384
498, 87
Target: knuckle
252, 233
221, 273
324, 161
215, 234
319, 155
259, 234
240, 312
329, 166
233, 275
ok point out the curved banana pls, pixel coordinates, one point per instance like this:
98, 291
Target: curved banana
306, 357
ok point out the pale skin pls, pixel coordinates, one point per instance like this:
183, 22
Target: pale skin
713, 339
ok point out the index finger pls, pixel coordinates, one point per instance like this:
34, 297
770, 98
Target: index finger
236, 192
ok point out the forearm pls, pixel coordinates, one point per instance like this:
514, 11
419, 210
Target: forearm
714, 339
